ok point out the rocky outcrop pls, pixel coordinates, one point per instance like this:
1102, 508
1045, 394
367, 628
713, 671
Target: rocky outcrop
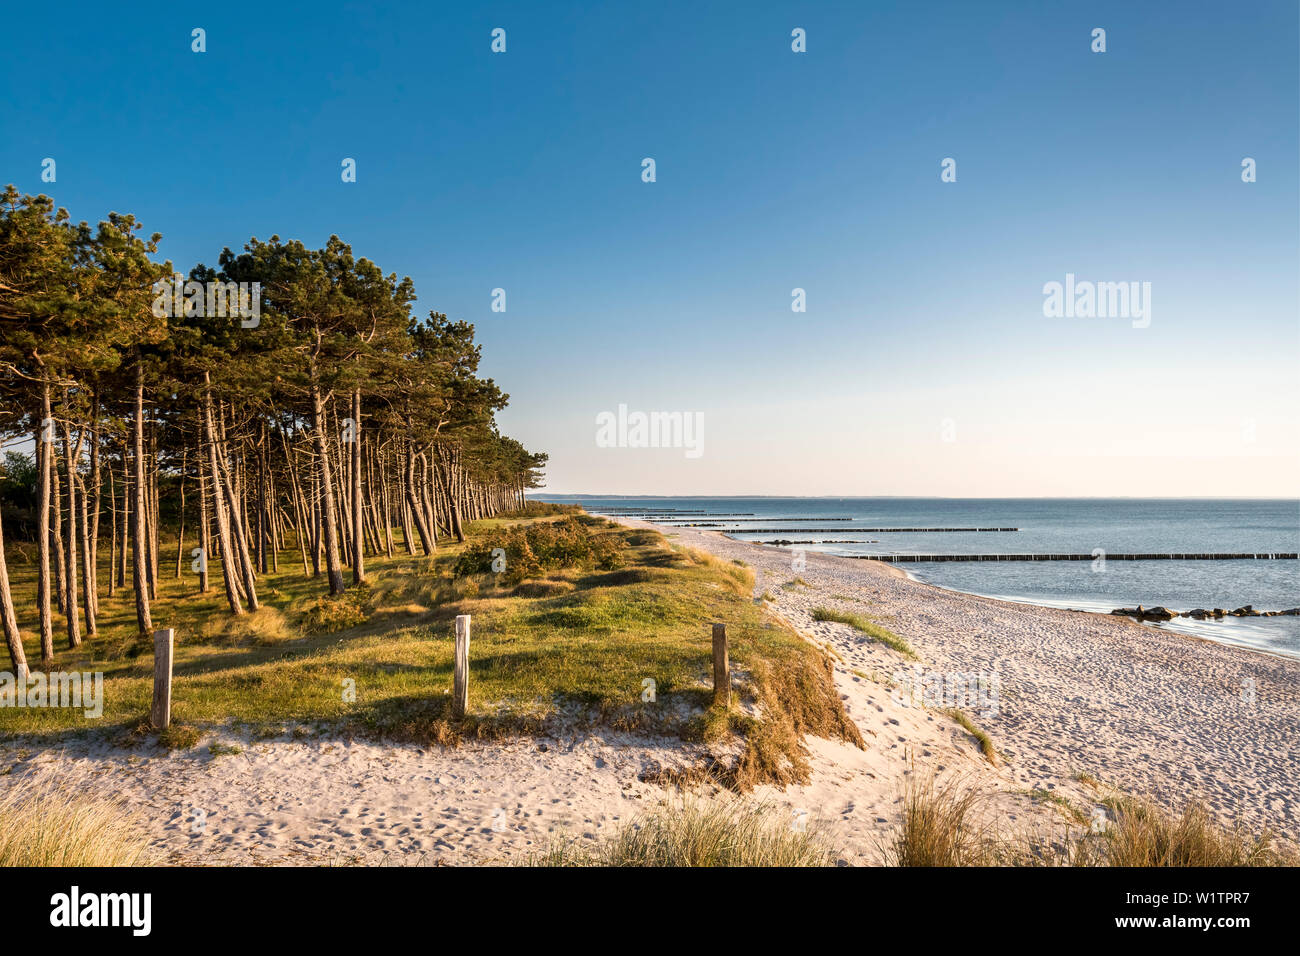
1199, 614
1146, 613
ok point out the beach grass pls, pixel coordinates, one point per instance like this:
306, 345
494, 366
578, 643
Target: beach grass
939, 828
866, 626
692, 833
943, 826
981, 736
579, 640
56, 825
1142, 834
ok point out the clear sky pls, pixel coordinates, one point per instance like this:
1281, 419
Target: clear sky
924, 363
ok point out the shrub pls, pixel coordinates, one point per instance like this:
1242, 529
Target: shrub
327, 614
531, 550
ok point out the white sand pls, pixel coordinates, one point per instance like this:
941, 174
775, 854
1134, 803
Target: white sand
1150, 711
1146, 710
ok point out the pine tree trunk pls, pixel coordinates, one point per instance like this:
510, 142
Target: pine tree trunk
329, 526
43, 530
239, 539
228, 572
96, 502
139, 544
180, 531
70, 569
60, 558
205, 528
413, 504
126, 517
358, 546
112, 529
13, 639
87, 562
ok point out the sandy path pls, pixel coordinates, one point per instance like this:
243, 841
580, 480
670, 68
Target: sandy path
342, 801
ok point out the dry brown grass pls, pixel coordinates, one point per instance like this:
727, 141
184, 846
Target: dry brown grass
939, 828
55, 825
1142, 834
942, 827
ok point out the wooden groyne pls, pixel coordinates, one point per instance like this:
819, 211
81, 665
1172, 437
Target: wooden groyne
1153, 556
840, 530
742, 520
785, 541
671, 514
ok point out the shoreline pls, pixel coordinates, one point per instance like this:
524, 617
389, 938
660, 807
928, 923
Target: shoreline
1156, 712
1027, 602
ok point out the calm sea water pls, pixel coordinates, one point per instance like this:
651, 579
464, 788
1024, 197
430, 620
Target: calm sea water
1121, 525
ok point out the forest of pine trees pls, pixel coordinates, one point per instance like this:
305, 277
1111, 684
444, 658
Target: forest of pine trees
334, 425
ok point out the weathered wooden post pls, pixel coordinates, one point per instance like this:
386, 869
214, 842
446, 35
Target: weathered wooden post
721, 667
460, 679
160, 714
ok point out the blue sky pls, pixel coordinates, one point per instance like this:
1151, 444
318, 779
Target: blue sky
775, 170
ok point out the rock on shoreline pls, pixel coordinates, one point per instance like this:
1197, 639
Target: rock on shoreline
1200, 613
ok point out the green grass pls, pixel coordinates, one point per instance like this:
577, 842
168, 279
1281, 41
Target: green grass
868, 627
981, 737
575, 642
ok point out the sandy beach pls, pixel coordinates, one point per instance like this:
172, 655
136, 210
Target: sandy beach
1149, 711
1138, 709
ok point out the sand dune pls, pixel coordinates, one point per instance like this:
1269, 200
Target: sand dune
1145, 710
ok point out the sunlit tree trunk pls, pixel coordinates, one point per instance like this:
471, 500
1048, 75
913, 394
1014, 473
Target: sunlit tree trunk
13, 639
329, 526
43, 529
358, 545
139, 544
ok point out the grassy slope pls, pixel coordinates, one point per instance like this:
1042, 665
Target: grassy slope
578, 640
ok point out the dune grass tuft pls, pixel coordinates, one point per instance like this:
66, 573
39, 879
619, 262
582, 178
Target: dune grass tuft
939, 828
693, 833
54, 825
867, 627
980, 735
1142, 834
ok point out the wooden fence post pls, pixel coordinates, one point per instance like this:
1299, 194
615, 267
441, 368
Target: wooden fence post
460, 679
160, 714
721, 667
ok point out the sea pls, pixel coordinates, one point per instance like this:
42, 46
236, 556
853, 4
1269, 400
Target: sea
1093, 526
